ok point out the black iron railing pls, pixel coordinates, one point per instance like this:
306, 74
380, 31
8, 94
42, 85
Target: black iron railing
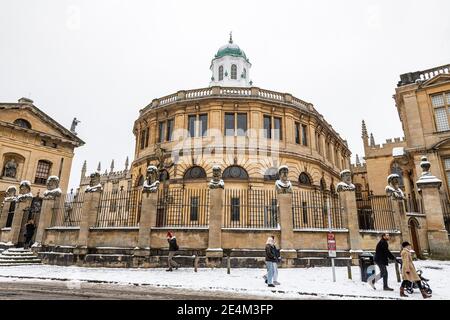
67, 210
375, 212
311, 210
119, 208
182, 208
414, 203
250, 209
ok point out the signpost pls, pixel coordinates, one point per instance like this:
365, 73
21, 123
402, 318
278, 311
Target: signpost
331, 241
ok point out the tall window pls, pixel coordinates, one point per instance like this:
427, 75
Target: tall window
197, 125
144, 138
42, 172
336, 157
297, 133
220, 73
165, 130
328, 151
235, 124
274, 131
161, 131
304, 135
318, 143
235, 209
169, 130
233, 71
244, 74
441, 105
447, 169
194, 208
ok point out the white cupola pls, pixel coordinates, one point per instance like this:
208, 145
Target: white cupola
230, 67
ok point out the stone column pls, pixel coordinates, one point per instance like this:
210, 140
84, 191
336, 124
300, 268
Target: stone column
216, 197
437, 234
400, 218
350, 214
287, 226
147, 221
88, 219
18, 220
44, 221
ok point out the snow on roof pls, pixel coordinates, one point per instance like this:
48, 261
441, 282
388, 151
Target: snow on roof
398, 152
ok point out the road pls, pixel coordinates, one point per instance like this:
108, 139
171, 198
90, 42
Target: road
20, 289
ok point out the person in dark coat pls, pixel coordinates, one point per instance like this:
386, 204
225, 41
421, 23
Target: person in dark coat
173, 248
29, 233
382, 256
271, 260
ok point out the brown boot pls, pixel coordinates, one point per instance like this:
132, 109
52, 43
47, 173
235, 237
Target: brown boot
402, 292
425, 295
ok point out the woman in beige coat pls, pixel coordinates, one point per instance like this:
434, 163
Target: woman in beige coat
409, 273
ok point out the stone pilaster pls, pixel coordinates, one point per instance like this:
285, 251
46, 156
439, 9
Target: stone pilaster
19, 221
147, 221
216, 197
44, 221
287, 226
350, 215
88, 219
400, 218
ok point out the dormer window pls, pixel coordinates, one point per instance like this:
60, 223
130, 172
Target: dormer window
220, 73
233, 71
22, 123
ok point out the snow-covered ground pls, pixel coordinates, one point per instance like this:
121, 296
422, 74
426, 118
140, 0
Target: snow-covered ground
295, 283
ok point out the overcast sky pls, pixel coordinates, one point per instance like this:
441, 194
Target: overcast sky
102, 61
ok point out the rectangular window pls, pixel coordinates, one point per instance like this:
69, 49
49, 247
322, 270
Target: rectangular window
328, 151
191, 125
194, 208
305, 212
304, 135
447, 169
235, 209
441, 105
297, 133
147, 135
277, 133
267, 127
318, 143
241, 124
203, 122
142, 139
169, 130
229, 124
161, 132
42, 172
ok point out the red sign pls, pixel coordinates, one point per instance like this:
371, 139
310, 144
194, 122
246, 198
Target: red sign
331, 240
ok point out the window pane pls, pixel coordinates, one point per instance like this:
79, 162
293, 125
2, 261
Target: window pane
161, 132
143, 139
441, 119
267, 127
437, 100
221, 73
235, 209
229, 124
194, 208
203, 124
241, 124
147, 135
304, 135
233, 71
42, 172
169, 129
447, 164
277, 133
448, 98
191, 125
297, 133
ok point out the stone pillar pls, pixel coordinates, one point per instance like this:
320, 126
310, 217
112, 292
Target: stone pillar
4, 213
147, 221
350, 214
400, 218
44, 221
88, 219
216, 197
19, 221
287, 226
437, 234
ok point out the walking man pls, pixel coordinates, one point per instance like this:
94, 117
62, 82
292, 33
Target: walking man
173, 248
271, 261
382, 256
29, 227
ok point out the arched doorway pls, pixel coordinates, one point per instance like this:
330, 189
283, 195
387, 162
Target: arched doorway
413, 230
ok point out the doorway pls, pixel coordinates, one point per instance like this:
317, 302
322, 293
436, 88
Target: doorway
413, 227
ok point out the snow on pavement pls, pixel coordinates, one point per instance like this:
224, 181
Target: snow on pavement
295, 282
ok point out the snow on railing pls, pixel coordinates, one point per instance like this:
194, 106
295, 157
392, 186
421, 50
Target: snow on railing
168, 99
198, 93
235, 91
270, 95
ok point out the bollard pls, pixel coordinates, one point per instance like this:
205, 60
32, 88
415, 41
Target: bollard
228, 264
397, 271
195, 262
349, 269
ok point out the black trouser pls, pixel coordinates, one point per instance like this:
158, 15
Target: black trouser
383, 274
27, 241
407, 283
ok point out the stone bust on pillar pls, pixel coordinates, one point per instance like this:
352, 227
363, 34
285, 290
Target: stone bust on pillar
24, 191
151, 183
53, 191
346, 183
283, 185
216, 181
11, 192
94, 183
392, 189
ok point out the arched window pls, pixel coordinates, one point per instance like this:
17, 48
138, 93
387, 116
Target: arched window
244, 74
271, 174
235, 172
22, 123
220, 73
195, 172
304, 179
233, 71
42, 172
140, 181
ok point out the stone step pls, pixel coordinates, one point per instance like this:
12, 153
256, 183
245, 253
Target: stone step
28, 261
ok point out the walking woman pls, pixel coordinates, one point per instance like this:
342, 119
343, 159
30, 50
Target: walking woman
271, 260
173, 248
409, 273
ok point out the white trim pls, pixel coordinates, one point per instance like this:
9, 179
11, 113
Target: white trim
6, 229
380, 231
412, 214
113, 228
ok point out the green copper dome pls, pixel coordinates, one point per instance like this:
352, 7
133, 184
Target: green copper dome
230, 49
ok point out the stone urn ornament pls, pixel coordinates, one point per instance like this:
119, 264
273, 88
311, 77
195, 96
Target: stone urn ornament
426, 178
53, 190
216, 181
346, 181
24, 191
151, 183
393, 188
94, 183
283, 185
